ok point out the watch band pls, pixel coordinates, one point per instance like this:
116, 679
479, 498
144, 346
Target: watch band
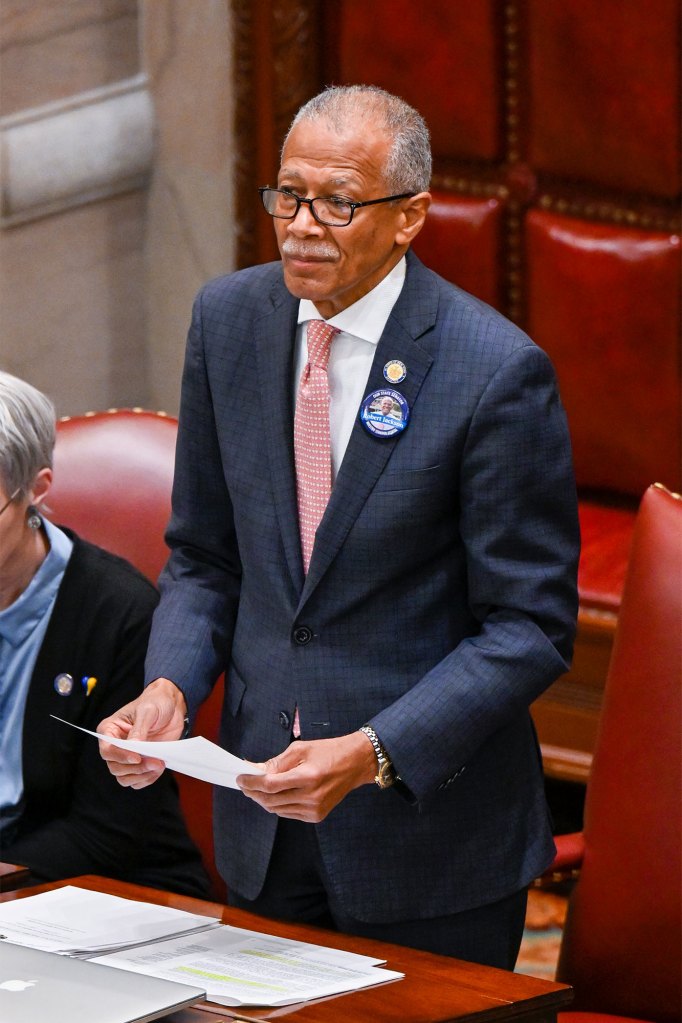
385, 775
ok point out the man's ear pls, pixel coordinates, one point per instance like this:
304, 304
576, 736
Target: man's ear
414, 212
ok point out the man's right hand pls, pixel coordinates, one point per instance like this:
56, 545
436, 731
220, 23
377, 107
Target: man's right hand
157, 715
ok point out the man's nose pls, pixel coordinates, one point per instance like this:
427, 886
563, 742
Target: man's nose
304, 222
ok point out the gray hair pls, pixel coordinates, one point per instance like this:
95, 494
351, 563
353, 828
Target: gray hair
27, 434
408, 168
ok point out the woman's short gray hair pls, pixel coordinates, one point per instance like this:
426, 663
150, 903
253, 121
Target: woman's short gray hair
408, 168
27, 434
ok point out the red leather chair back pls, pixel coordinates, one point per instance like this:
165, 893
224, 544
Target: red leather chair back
113, 474
622, 943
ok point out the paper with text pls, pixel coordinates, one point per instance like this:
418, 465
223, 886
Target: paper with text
240, 967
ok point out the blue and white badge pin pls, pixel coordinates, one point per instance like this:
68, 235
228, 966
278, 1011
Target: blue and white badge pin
384, 413
395, 371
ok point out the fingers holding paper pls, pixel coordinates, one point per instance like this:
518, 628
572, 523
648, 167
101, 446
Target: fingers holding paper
309, 779
157, 715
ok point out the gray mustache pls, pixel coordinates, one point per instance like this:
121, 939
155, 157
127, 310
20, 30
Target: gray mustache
308, 251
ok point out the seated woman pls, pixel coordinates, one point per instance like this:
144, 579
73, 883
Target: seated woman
74, 625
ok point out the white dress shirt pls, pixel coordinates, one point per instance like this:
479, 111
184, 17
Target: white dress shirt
352, 351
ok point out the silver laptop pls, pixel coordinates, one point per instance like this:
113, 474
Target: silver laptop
43, 987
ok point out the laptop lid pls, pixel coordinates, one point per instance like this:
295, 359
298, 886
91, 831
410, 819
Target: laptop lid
43, 987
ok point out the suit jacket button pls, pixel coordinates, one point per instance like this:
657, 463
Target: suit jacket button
284, 720
302, 635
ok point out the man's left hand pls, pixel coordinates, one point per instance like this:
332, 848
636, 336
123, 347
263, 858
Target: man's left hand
309, 779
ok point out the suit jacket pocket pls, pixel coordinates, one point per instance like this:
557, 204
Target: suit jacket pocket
411, 479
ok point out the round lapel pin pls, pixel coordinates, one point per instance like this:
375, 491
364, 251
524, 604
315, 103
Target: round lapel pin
63, 683
384, 413
395, 371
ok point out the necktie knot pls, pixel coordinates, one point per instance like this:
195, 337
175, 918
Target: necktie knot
320, 335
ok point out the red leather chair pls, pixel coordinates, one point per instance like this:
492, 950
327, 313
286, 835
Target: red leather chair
622, 949
113, 474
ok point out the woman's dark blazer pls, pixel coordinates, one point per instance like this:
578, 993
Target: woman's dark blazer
77, 819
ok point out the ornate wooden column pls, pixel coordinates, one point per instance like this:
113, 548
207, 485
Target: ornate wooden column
278, 60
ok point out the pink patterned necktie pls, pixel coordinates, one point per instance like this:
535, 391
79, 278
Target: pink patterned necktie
312, 447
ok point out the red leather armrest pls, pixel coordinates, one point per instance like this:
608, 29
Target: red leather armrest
570, 850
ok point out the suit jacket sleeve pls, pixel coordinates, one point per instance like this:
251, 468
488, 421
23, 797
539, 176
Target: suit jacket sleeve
200, 584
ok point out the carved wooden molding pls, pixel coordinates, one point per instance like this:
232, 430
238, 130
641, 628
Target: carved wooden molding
277, 67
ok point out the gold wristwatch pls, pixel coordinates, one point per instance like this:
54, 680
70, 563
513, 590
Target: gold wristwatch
385, 775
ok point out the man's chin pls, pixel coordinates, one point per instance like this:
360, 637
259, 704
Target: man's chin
304, 285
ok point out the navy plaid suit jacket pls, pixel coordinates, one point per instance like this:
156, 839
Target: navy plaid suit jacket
441, 595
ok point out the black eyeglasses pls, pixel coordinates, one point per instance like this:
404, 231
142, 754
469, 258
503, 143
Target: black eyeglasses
278, 202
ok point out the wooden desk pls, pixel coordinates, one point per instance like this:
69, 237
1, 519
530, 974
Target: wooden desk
13, 875
436, 989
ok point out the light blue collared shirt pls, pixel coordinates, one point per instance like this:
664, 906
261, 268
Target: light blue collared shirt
22, 629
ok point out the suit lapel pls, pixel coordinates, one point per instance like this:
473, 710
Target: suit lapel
366, 456
274, 340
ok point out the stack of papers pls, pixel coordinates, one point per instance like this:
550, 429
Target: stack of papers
233, 965
240, 967
76, 922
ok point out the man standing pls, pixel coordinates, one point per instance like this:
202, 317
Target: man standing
386, 603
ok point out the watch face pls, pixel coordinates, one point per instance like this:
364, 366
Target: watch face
385, 775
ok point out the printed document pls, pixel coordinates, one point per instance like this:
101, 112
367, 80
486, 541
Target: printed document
234, 966
240, 967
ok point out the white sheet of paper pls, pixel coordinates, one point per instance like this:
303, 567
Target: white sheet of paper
75, 920
240, 967
197, 757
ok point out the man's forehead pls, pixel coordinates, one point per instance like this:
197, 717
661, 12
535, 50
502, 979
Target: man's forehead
343, 155
297, 170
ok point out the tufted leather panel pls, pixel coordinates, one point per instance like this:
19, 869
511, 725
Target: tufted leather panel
441, 57
461, 240
603, 302
604, 89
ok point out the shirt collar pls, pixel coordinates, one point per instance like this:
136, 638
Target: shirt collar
19, 619
367, 317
